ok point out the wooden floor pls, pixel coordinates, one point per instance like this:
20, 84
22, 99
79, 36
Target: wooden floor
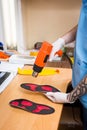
70, 128
70, 119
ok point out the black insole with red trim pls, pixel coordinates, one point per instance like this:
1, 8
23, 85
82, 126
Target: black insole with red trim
39, 88
32, 107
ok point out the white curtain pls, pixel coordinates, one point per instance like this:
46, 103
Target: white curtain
11, 27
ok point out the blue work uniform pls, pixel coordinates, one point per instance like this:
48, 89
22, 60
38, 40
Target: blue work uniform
80, 53
80, 56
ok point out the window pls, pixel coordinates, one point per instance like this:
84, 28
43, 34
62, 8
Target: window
11, 33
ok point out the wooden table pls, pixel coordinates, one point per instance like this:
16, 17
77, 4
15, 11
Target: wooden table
17, 119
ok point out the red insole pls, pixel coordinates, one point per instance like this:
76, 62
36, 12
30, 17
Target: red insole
30, 106
39, 88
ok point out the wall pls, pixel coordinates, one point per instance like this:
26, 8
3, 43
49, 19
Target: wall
48, 19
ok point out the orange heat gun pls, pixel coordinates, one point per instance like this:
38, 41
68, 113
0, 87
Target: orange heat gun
42, 58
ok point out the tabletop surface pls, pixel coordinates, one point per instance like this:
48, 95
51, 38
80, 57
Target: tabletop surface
17, 119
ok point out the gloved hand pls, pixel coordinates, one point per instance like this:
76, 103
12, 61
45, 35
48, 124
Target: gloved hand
58, 97
57, 45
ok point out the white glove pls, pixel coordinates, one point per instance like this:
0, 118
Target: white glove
57, 97
57, 45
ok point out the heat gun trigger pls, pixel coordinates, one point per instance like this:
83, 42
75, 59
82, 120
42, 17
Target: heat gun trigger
46, 58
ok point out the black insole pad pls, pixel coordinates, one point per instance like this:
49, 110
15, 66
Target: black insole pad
32, 107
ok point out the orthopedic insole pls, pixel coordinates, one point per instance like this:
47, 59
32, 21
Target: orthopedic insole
32, 107
39, 88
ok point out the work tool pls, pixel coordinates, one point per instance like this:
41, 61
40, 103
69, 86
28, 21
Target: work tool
42, 57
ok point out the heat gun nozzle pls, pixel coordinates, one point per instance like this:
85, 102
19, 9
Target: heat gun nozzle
35, 74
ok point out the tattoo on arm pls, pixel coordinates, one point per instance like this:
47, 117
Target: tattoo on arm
80, 90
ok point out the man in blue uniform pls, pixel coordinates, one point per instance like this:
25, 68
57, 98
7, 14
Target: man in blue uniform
79, 76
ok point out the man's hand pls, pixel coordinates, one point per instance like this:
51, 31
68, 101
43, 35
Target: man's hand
57, 45
58, 97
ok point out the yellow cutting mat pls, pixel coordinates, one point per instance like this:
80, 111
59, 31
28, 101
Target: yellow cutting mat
45, 71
